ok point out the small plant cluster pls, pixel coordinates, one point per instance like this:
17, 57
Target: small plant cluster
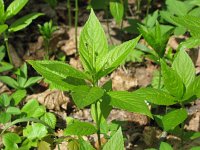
173, 87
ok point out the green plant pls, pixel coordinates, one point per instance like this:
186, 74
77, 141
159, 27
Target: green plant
47, 30
180, 86
8, 105
97, 62
40, 124
22, 81
13, 9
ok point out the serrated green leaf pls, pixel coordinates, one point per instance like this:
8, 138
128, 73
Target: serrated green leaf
170, 120
14, 8
23, 22
80, 128
35, 131
93, 44
18, 96
117, 10
9, 81
129, 101
165, 146
116, 142
155, 96
50, 119
3, 28
85, 95
172, 81
186, 73
10, 140
13, 110
5, 117
116, 56
59, 73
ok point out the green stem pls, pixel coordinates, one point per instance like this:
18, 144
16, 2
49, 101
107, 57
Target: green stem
46, 45
159, 79
7, 47
76, 23
69, 13
98, 125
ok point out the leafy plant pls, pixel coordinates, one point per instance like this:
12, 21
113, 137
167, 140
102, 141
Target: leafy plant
22, 81
47, 31
180, 87
42, 124
8, 105
13, 9
97, 62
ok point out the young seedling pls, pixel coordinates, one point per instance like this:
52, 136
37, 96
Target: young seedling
47, 31
84, 86
13, 9
22, 81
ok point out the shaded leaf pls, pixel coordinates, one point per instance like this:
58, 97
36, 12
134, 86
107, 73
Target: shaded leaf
170, 120
80, 128
85, 95
129, 101
155, 96
172, 81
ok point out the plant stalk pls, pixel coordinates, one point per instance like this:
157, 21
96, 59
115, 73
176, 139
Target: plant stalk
47, 41
98, 125
76, 23
7, 48
69, 13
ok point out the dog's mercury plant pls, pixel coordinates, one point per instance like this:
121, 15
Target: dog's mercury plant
84, 86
